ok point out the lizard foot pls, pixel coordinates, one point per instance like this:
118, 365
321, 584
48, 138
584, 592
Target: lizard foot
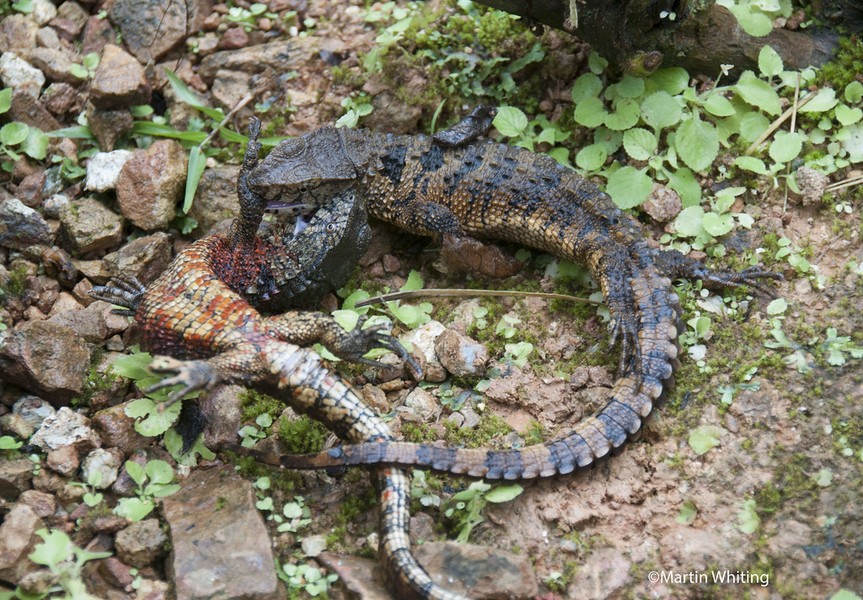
473, 256
358, 341
125, 291
191, 375
750, 277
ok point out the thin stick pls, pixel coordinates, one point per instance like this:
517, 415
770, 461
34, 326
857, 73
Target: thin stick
778, 123
243, 101
791, 128
844, 184
455, 292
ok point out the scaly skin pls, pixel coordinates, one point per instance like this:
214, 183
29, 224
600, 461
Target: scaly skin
192, 311
489, 190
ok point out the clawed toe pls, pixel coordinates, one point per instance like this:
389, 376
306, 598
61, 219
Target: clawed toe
191, 376
123, 291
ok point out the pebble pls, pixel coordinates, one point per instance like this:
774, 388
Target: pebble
103, 170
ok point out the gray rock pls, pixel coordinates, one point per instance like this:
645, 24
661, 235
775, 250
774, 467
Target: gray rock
220, 546
479, 572
103, 466
66, 428
33, 409
151, 183
663, 204
45, 358
459, 354
15, 477
229, 87
46, 37
222, 409
141, 543
17, 540
362, 577
17, 73
17, 32
216, 197
812, 185
14, 424
89, 225
117, 430
423, 339
145, 257
119, 80
53, 205
313, 545
21, 226
43, 11
89, 323
55, 64
423, 405
74, 12
44, 505
276, 55
103, 170
137, 21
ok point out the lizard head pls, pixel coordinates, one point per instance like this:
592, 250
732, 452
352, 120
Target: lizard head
311, 168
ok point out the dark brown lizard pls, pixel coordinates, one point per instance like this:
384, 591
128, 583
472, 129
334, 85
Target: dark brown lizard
192, 312
455, 192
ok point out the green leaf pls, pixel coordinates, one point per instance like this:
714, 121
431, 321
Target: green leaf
718, 105
750, 163
717, 225
133, 366
136, 472
660, 110
853, 94
7, 442
590, 112
824, 100
747, 519
159, 471
591, 158
36, 144
78, 71
504, 493
683, 182
769, 62
134, 509
687, 514
12, 134
5, 100
608, 139
624, 117
629, 187
187, 96
688, 222
845, 595
159, 421
629, 87
639, 143
672, 80
586, 86
596, 63
347, 319
786, 146
847, 115
78, 132
752, 125
758, 92
54, 549
697, 143
777, 307
702, 439
197, 163
754, 23
823, 478
160, 130
413, 283
510, 121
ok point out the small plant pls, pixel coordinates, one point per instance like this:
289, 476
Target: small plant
92, 497
466, 506
312, 580
87, 68
154, 481
7, 442
356, 108
17, 137
251, 435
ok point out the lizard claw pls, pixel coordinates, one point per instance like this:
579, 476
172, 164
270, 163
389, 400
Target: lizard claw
124, 291
191, 375
748, 277
359, 341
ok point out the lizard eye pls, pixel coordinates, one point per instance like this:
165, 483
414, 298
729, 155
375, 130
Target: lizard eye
304, 189
331, 227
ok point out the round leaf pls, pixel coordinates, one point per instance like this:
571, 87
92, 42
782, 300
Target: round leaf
6, 100
758, 93
590, 112
504, 493
624, 117
639, 143
786, 146
688, 221
591, 158
702, 439
629, 87
752, 125
684, 183
697, 143
847, 115
660, 110
769, 62
608, 139
672, 80
12, 134
629, 187
510, 121
717, 225
853, 93
824, 100
750, 163
718, 105
586, 86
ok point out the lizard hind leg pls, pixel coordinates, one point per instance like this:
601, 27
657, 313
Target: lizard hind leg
674, 264
126, 292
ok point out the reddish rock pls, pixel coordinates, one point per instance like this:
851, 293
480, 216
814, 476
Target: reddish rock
119, 81
151, 183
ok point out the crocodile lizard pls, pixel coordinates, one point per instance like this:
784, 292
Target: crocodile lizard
455, 192
194, 311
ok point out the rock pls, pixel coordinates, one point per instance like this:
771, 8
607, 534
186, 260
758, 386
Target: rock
812, 185
14, 424
362, 577
603, 575
220, 546
393, 114
145, 257
116, 572
33, 410
66, 428
55, 64
97, 34
17, 73
151, 183
102, 466
15, 477
154, 589
138, 20
17, 540
663, 204
313, 545
459, 354
234, 39
46, 37
119, 80
141, 543
60, 98
21, 226
103, 170
222, 409
478, 571
63, 460
89, 225
278, 56
216, 197
74, 13
44, 505
423, 405
108, 126
17, 32
231, 86
43, 11
117, 430
45, 358
27, 109
422, 338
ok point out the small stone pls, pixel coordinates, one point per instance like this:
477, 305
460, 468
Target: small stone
75, 13
21, 226
89, 323
119, 80
63, 460
15, 477
46, 37
33, 409
313, 545
117, 430
97, 34
222, 410
14, 424
103, 170
362, 577
812, 185
66, 428
234, 39
17, 73
27, 109
422, 339
459, 354
141, 543
17, 540
89, 225
101, 467
17, 32
145, 257
138, 20
216, 197
422, 404
391, 263
151, 183
108, 126
663, 204
231, 86
55, 64
116, 572
43, 11
44, 505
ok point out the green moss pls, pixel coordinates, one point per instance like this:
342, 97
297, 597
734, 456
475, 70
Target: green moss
302, 435
255, 403
349, 516
16, 284
844, 67
791, 483
284, 480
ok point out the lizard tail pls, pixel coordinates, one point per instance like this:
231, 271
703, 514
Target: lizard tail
630, 402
